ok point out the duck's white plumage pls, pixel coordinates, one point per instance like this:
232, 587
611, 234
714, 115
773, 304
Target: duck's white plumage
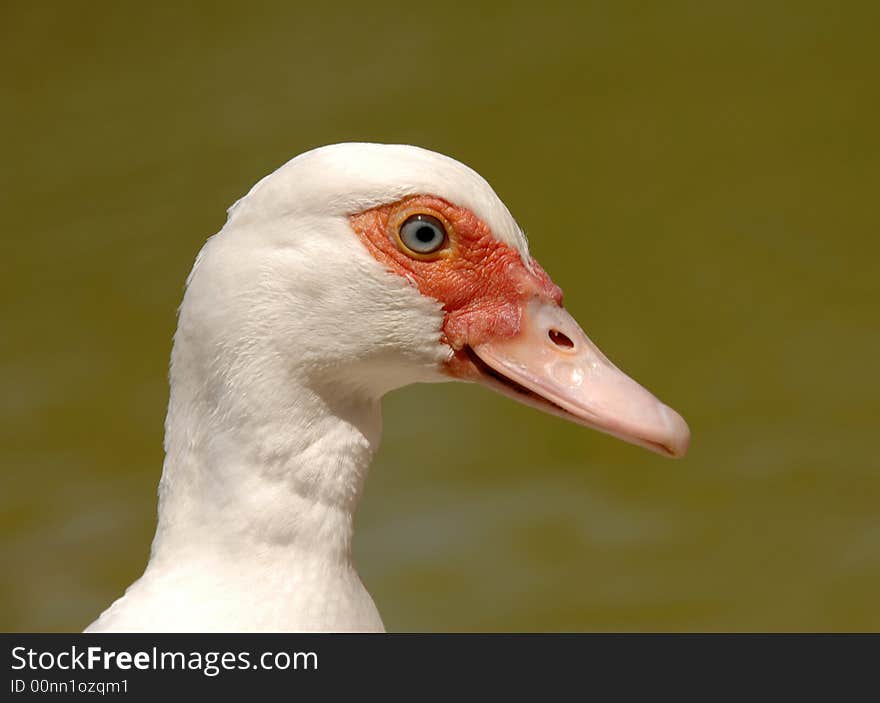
342, 179
289, 333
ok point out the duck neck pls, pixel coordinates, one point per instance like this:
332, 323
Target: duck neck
274, 474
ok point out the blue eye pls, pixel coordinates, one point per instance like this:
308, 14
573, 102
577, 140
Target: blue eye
423, 234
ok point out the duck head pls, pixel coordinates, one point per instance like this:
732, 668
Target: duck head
365, 267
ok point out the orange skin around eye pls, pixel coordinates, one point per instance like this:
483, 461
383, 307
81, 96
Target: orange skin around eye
481, 282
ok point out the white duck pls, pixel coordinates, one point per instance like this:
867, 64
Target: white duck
352, 270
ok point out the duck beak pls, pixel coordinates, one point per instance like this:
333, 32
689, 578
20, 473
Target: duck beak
552, 365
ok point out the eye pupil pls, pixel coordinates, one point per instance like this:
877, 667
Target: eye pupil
425, 234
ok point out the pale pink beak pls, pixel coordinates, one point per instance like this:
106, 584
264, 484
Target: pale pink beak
552, 365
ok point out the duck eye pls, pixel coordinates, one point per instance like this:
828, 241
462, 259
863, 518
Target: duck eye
423, 234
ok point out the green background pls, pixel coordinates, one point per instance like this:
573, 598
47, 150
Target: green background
702, 180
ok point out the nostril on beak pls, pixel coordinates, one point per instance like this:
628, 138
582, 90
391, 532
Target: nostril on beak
560, 339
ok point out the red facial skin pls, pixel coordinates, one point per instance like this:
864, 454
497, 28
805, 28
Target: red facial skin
481, 282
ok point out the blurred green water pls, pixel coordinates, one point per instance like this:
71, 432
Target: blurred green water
702, 180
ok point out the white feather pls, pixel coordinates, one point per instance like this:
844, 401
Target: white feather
289, 334
374, 174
